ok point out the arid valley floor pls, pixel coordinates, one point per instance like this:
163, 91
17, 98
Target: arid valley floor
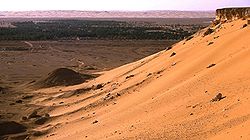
26, 61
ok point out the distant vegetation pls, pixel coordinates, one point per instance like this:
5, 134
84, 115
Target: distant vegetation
96, 29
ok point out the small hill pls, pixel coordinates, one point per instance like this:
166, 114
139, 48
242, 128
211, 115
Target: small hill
62, 77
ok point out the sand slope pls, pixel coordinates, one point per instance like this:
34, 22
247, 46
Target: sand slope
162, 97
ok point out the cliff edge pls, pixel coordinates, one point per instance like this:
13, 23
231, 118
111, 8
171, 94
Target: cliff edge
232, 13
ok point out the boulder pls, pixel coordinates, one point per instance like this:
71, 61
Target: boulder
218, 97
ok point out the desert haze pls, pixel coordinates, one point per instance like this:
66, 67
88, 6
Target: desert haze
197, 88
107, 14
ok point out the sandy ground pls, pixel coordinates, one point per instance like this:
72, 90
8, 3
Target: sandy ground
26, 61
168, 95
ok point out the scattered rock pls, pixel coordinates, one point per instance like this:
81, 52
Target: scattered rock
191, 114
108, 94
159, 72
19, 101
211, 65
96, 121
173, 54
11, 127
169, 48
245, 25
210, 43
130, 76
61, 102
99, 86
173, 64
215, 22
208, 31
33, 115
149, 74
118, 94
194, 106
52, 134
76, 92
41, 120
189, 38
216, 37
218, 97
82, 90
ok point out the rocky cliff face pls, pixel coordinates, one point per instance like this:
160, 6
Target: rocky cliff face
232, 13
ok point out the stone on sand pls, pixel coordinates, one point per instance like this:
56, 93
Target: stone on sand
218, 97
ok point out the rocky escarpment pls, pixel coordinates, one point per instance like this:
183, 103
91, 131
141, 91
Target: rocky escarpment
232, 13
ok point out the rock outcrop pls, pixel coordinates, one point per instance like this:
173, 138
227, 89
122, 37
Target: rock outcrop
232, 13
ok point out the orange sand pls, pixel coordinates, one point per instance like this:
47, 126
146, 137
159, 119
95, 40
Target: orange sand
173, 102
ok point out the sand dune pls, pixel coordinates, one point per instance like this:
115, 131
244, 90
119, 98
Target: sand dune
201, 92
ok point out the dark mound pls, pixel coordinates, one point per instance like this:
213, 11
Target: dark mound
11, 127
63, 77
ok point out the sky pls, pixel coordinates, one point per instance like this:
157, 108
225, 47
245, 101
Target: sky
120, 5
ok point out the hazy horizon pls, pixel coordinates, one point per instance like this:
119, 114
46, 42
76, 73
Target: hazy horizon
114, 5
108, 10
